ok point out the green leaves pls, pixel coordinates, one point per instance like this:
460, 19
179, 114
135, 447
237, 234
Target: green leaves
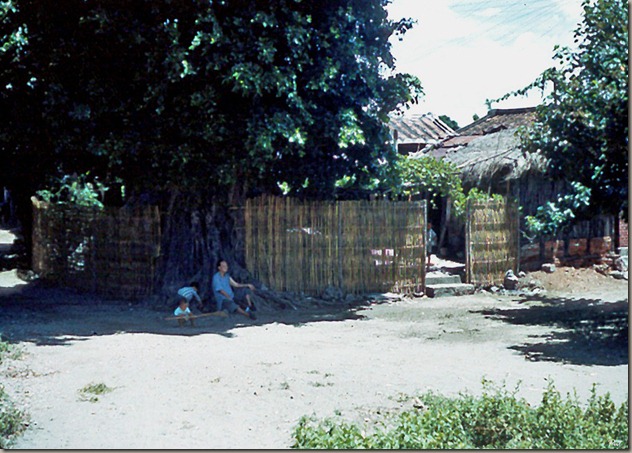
582, 127
555, 216
427, 174
75, 190
497, 419
433, 178
200, 95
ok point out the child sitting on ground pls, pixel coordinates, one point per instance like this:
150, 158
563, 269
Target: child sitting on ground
183, 313
190, 293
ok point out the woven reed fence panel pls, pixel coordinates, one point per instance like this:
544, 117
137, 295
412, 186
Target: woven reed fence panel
111, 252
492, 241
357, 246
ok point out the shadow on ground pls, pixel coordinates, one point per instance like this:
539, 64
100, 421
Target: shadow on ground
45, 315
585, 331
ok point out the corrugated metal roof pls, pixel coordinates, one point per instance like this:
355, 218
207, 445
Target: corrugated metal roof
419, 129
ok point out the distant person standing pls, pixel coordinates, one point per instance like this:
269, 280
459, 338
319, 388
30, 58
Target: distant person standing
431, 241
7, 209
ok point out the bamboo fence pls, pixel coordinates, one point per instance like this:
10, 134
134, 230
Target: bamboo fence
112, 252
357, 246
492, 241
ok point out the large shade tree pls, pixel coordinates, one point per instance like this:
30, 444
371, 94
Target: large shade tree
198, 102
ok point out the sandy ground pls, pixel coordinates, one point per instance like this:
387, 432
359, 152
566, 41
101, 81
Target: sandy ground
239, 384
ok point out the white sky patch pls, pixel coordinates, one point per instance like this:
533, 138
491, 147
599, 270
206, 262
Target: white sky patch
571, 9
489, 12
467, 51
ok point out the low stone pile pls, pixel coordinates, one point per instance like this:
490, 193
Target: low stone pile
519, 285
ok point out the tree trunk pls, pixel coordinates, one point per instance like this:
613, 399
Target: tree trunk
194, 237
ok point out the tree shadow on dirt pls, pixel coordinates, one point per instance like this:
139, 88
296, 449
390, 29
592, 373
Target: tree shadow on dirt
585, 331
46, 315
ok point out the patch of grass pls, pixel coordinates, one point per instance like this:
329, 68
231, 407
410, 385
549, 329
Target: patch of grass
12, 420
320, 384
401, 397
497, 419
9, 351
91, 392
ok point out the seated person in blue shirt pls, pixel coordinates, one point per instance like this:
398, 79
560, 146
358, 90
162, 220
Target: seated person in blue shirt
223, 286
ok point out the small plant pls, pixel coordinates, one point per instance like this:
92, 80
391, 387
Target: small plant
75, 190
497, 419
9, 351
4, 347
321, 384
91, 391
12, 420
460, 200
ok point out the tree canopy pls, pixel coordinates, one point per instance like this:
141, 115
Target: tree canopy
199, 95
582, 127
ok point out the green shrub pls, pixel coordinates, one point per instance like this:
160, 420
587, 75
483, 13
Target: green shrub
91, 391
497, 419
75, 190
9, 351
12, 420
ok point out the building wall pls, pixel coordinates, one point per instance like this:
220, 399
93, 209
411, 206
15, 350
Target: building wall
623, 233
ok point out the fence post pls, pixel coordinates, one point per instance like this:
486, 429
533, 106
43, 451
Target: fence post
468, 242
516, 213
424, 234
339, 246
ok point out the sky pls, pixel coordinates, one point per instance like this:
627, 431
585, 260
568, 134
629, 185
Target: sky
467, 51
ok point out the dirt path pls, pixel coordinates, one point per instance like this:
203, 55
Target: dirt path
232, 384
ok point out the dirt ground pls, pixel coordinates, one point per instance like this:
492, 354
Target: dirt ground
238, 384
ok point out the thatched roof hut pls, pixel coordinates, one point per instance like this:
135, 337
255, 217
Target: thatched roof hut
488, 151
489, 156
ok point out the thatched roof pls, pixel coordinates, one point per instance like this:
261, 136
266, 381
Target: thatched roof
489, 150
497, 119
496, 156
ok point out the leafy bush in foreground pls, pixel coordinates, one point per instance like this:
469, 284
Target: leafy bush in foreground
9, 351
11, 420
496, 419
